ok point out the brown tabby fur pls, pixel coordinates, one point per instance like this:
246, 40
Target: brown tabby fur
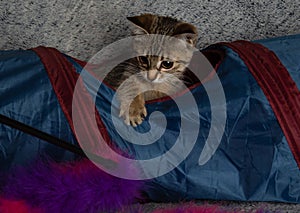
150, 76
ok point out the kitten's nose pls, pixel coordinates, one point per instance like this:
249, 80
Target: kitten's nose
152, 75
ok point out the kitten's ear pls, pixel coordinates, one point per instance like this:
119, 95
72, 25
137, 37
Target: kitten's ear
141, 24
187, 32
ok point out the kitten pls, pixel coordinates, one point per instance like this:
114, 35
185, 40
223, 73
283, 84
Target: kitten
152, 72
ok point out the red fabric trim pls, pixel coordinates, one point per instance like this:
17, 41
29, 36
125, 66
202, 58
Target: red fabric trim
63, 78
81, 63
278, 86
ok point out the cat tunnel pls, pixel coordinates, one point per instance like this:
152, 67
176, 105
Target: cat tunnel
257, 157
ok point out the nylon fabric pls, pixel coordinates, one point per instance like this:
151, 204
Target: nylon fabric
254, 161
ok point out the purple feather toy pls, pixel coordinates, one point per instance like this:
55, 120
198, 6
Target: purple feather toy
70, 187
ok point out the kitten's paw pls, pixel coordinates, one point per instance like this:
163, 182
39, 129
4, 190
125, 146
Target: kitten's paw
134, 115
137, 115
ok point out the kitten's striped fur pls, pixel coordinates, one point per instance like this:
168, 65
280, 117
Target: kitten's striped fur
151, 71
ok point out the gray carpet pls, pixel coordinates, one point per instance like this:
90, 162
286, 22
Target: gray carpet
81, 28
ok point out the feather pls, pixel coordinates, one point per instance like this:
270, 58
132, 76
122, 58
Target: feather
70, 187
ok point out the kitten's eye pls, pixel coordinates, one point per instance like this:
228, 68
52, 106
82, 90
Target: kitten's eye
144, 60
167, 64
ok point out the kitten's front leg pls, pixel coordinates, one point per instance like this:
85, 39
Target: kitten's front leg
134, 112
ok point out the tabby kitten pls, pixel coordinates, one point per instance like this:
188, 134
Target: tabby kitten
151, 72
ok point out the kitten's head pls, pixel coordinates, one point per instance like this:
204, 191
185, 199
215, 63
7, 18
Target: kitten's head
159, 65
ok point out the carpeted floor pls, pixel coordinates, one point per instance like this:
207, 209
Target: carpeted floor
230, 206
81, 28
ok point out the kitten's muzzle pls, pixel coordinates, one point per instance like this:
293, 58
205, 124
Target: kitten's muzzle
152, 75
